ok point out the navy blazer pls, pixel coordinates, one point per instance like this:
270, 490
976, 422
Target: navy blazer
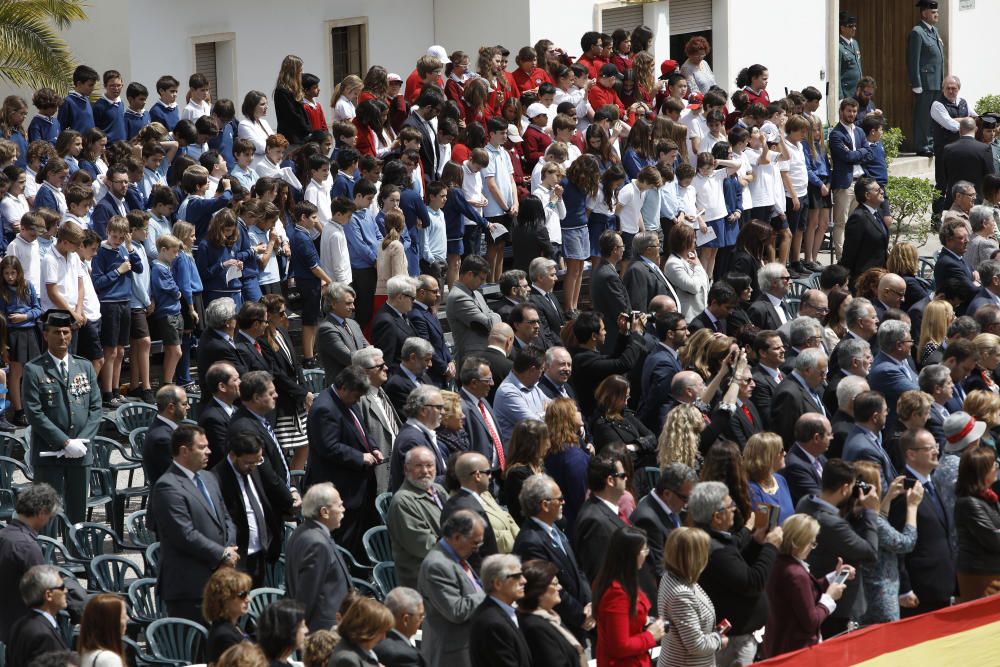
844, 156
551, 317
494, 639
399, 385
156, 455
337, 449
658, 373
212, 348
739, 428
951, 269
410, 436
426, 325
215, 420
892, 379
764, 315
252, 359
475, 426
763, 392
463, 500
802, 478
859, 447
274, 468
657, 522
791, 400
866, 242
609, 298
389, 330
534, 543
983, 297
105, 209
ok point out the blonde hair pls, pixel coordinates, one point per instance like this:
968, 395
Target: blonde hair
680, 436
290, 76
244, 654
318, 647
452, 403
759, 455
559, 418
350, 83
934, 327
983, 405
911, 402
685, 554
902, 259
224, 585
870, 472
798, 532
364, 621
168, 242
984, 344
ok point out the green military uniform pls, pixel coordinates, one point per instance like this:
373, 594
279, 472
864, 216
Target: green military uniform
996, 155
59, 410
850, 67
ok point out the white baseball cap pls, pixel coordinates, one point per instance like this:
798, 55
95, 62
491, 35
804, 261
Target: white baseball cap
536, 109
438, 52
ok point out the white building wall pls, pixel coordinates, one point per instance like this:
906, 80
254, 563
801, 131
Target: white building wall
973, 46
461, 25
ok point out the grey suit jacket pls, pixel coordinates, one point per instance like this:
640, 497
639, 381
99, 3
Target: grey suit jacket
470, 320
381, 430
315, 574
192, 536
450, 598
335, 344
414, 522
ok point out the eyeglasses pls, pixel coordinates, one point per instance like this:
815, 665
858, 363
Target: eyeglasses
408, 295
243, 595
514, 575
678, 494
620, 475
559, 500
488, 380
488, 472
436, 406
382, 365
61, 587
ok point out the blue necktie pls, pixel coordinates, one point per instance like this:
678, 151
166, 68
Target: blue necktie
200, 483
270, 432
936, 500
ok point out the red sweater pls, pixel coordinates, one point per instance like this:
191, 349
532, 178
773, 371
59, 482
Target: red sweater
365, 143
621, 639
535, 143
413, 85
621, 62
599, 96
757, 98
531, 80
317, 119
593, 65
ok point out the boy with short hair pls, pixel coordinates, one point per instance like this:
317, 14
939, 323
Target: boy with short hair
305, 267
79, 201
46, 236
434, 260
333, 251
140, 304
88, 336
108, 110
363, 240
165, 320
136, 116
75, 112
347, 165
197, 105
112, 269
196, 207
160, 204
45, 125
62, 275
243, 152
165, 109
472, 188
314, 109
224, 112
25, 248
154, 170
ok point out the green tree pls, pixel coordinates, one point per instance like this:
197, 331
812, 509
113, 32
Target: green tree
910, 206
32, 54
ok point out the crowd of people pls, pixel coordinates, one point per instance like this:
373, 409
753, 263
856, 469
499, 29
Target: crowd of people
697, 461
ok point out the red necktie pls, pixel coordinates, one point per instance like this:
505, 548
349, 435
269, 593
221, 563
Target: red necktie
361, 431
493, 435
746, 411
624, 517
256, 346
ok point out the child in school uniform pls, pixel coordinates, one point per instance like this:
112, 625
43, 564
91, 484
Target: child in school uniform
25, 248
47, 232
68, 147
304, 266
140, 341
314, 109
549, 193
79, 202
154, 167
630, 200
112, 268
75, 111
165, 109
51, 179
12, 116
197, 105
243, 153
795, 183
732, 192
333, 252
39, 152
246, 250
347, 165
21, 307
196, 207
472, 188
89, 334
14, 204
224, 113
433, 259
185, 273
165, 322
716, 122
45, 125
457, 210
602, 210
160, 204
217, 255
709, 198
109, 111
136, 116
317, 191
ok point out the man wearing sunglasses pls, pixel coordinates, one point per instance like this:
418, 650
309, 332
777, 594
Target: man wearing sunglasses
36, 632
474, 474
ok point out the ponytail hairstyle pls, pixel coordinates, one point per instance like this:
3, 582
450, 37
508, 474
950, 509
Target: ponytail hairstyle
608, 179
748, 74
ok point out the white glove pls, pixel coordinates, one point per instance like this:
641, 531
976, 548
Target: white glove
918, 90
76, 448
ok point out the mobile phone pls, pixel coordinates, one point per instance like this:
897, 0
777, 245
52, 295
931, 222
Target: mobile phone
636, 314
723, 627
909, 483
840, 577
773, 516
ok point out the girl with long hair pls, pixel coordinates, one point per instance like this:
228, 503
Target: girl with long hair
582, 180
20, 305
104, 621
293, 122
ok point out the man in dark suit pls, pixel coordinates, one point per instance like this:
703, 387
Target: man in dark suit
662, 510
256, 509
806, 458
425, 108
63, 406
659, 369
596, 521
390, 327
339, 335
196, 533
799, 393
643, 279
424, 320
217, 342
473, 473
19, 550
340, 452
590, 366
423, 411
540, 538
852, 541
929, 568
469, 318
862, 323
848, 150
966, 159
500, 345
770, 310
513, 290
480, 424
722, 301
950, 269
866, 238
252, 322
766, 374
989, 293
608, 295
842, 422
113, 202
397, 649
865, 441
554, 382
171, 410
36, 633
379, 417
315, 573
855, 357
891, 373
217, 411
526, 322
494, 636
745, 420
542, 273
416, 359
936, 381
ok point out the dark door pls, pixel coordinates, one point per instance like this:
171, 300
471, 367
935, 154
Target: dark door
883, 28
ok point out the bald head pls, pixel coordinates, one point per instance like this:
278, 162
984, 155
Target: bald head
967, 127
891, 290
687, 386
469, 470
500, 335
661, 303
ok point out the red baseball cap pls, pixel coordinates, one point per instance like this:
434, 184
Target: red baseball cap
694, 100
667, 67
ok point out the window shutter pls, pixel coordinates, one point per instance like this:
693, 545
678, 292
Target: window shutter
687, 16
204, 63
627, 18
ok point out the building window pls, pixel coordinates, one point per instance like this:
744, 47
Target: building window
689, 18
349, 51
215, 57
627, 18
205, 60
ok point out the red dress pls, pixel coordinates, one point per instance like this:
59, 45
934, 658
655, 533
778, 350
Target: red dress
621, 640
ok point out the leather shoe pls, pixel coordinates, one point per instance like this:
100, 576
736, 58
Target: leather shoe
925, 153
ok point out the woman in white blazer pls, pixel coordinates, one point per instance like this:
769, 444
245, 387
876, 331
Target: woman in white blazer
254, 125
685, 272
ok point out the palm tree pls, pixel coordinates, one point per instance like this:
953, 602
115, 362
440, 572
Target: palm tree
31, 52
